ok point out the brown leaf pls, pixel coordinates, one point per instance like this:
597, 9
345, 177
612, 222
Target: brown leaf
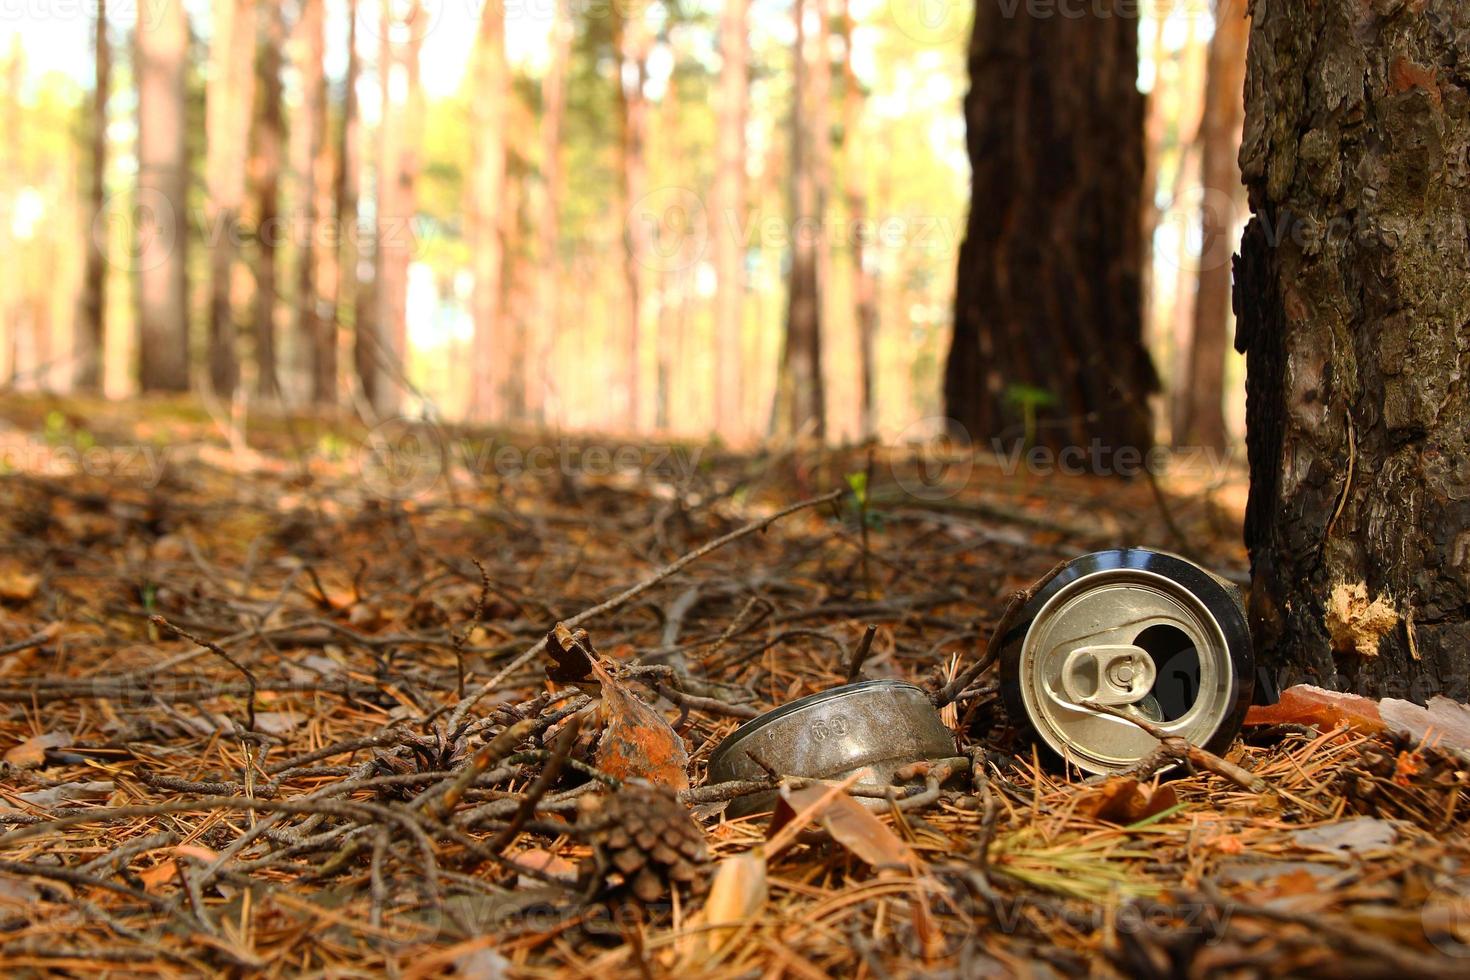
1122, 800
32, 752
16, 584
637, 742
737, 894
849, 823
571, 653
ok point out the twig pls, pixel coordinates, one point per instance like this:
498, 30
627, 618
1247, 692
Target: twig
34, 640
859, 655
627, 595
543, 782
461, 638
218, 651
1183, 750
1017, 601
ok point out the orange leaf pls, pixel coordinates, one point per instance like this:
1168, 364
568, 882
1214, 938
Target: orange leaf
849, 823
1308, 705
637, 743
1122, 800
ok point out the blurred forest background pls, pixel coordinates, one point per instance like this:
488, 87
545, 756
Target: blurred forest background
622, 215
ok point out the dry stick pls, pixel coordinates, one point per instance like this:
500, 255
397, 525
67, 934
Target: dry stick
855, 665
1017, 601
461, 638
543, 782
489, 754
34, 640
218, 651
634, 592
1181, 748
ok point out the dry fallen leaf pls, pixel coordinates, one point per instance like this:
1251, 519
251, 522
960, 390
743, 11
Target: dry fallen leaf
1308, 705
1122, 800
32, 752
637, 742
16, 584
737, 894
849, 823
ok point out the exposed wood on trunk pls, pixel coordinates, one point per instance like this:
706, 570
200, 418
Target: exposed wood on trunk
227, 128
484, 208
1048, 305
265, 167
540, 390
632, 40
864, 280
92, 310
801, 402
729, 217
1202, 391
162, 43
1353, 298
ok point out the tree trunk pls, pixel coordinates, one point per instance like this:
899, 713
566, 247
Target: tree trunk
1203, 391
632, 40
1048, 312
398, 168
316, 274
864, 284
162, 39
1353, 297
265, 175
801, 388
539, 389
227, 127
729, 247
489, 397
92, 313
349, 171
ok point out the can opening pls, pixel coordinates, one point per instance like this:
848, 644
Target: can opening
1177, 662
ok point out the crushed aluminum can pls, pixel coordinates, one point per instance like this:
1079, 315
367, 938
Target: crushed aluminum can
871, 728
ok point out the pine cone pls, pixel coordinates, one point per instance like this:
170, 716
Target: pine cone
1393, 776
643, 833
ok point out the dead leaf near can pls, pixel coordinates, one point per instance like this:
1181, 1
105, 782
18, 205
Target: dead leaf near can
1123, 800
31, 753
637, 742
737, 895
16, 584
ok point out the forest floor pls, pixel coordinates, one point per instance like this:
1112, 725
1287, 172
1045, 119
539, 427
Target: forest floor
364, 811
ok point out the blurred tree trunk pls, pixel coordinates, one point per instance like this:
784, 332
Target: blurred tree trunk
316, 275
228, 101
1048, 311
729, 216
1353, 295
864, 283
11, 276
631, 40
265, 166
162, 47
1203, 391
800, 399
348, 189
539, 385
484, 210
398, 169
92, 310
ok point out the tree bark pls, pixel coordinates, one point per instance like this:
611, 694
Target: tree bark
265, 175
539, 387
490, 397
92, 310
162, 43
864, 282
398, 168
1048, 307
228, 101
729, 248
1353, 298
801, 389
348, 189
631, 40
1203, 391
316, 273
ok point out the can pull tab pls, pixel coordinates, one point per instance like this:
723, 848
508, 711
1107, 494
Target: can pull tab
1108, 674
